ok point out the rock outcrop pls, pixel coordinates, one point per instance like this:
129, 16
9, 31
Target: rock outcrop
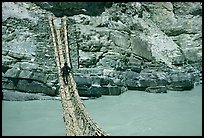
147, 46
61, 9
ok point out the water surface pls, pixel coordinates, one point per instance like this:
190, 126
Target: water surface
136, 113
32, 118
176, 113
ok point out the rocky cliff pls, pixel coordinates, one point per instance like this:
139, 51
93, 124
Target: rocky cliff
149, 46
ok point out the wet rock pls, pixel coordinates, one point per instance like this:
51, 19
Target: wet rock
114, 90
156, 89
181, 81
83, 90
13, 95
96, 91
31, 86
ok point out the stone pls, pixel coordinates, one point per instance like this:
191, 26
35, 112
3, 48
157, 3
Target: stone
181, 81
13, 95
39, 76
12, 73
8, 84
106, 80
120, 39
166, 32
8, 61
25, 74
35, 87
29, 66
156, 89
114, 90
82, 80
96, 91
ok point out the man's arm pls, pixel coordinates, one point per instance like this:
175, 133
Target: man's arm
61, 71
70, 70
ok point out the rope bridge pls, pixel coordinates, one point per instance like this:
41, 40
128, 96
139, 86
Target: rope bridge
77, 120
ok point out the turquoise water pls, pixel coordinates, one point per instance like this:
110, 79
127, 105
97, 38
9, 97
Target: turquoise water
175, 113
137, 113
32, 118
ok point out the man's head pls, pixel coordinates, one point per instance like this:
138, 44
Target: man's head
65, 63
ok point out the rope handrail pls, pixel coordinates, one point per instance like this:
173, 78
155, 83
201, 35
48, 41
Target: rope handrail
77, 120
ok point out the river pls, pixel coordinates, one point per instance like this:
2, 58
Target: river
133, 113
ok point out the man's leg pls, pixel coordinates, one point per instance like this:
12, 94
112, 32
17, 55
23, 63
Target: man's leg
66, 79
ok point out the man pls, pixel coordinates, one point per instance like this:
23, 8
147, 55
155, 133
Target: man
65, 70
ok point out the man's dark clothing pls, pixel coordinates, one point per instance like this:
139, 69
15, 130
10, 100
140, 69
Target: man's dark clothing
65, 72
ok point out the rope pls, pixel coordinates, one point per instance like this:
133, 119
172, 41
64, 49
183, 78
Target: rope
77, 120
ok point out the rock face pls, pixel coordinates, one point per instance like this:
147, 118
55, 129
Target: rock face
27, 56
146, 46
156, 89
61, 9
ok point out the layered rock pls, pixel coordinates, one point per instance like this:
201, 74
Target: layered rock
27, 54
61, 9
143, 46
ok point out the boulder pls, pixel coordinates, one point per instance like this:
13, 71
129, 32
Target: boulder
39, 76
13, 95
12, 73
25, 74
181, 81
82, 80
156, 89
96, 91
9, 83
83, 90
114, 90
31, 86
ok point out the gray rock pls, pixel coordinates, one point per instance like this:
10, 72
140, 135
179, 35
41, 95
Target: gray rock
191, 55
12, 73
9, 83
120, 39
74, 8
106, 80
114, 90
181, 81
96, 91
39, 76
34, 87
8, 61
25, 74
166, 36
178, 61
80, 81
156, 89
29, 66
12, 95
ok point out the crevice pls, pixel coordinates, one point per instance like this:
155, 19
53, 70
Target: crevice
5, 68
